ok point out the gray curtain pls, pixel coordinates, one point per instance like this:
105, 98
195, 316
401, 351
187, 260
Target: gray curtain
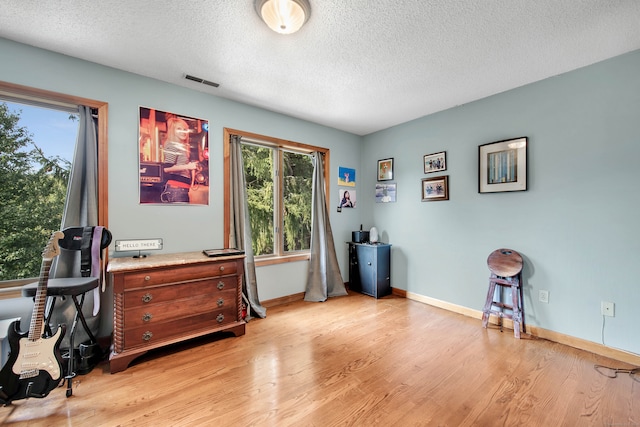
240, 228
324, 279
81, 209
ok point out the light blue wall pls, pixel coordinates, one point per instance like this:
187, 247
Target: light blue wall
183, 228
577, 225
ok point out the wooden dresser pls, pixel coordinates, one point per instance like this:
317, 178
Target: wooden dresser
168, 298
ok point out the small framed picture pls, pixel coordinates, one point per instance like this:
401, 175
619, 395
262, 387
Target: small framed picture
386, 193
435, 189
502, 166
436, 162
385, 169
347, 198
346, 176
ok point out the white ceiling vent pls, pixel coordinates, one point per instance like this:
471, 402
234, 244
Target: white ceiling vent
203, 81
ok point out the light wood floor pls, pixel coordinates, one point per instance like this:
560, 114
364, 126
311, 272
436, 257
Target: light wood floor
349, 361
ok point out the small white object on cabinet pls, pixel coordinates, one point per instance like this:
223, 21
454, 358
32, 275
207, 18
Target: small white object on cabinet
373, 235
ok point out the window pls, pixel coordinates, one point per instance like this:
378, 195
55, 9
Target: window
29, 96
279, 177
37, 144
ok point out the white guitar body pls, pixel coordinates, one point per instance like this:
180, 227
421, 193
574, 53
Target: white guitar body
37, 355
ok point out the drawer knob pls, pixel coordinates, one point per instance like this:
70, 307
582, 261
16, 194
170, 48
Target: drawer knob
222, 268
220, 318
220, 285
220, 302
147, 278
147, 336
146, 317
147, 298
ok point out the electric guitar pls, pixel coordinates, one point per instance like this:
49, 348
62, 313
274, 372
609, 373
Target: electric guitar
34, 366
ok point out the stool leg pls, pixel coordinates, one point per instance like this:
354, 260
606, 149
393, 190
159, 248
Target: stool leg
524, 329
515, 297
487, 305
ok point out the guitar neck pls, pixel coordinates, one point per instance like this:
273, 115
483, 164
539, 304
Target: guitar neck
36, 329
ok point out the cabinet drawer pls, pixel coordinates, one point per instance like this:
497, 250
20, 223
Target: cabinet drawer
149, 334
152, 314
160, 276
158, 294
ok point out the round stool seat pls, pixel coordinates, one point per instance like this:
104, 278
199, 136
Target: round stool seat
505, 262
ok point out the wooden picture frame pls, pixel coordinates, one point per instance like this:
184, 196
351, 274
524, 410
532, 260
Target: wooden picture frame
502, 166
435, 189
435, 162
385, 169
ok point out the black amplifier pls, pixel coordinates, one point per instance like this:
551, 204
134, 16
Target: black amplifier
151, 172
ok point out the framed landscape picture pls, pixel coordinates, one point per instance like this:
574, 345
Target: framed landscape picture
502, 166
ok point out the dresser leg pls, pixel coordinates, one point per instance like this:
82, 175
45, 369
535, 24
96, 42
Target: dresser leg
120, 361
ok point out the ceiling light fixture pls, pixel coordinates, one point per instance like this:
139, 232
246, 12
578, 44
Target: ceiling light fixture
283, 16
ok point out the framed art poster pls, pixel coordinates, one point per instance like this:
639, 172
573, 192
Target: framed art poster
173, 158
502, 166
385, 169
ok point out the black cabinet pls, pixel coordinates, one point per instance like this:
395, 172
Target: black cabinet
370, 268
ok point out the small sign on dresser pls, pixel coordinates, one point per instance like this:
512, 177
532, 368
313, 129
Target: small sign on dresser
138, 245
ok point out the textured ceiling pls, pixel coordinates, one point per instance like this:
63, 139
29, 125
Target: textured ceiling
357, 65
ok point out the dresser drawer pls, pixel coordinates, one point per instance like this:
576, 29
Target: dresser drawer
160, 276
152, 314
157, 294
149, 334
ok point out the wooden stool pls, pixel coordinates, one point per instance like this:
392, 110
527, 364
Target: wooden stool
506, 271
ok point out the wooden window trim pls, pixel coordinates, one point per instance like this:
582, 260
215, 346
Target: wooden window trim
8, 289
277, 142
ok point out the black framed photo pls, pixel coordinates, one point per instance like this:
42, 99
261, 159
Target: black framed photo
502, 166
435, 189
436, 162
385, 169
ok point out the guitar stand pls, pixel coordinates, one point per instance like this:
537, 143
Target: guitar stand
86, 351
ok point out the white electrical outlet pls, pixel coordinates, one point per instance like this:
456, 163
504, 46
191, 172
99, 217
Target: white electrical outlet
607, 308
543, 296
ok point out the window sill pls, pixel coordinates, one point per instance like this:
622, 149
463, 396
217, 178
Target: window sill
13, 288
271, 260
9, 293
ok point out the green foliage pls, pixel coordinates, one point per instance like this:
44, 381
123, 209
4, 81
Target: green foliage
297, 175
33, 191
258, 167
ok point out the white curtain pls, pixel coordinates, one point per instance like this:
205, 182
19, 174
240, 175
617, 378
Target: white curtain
324, 279
240, 227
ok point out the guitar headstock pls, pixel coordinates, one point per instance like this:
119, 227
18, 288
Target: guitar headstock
52, 249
